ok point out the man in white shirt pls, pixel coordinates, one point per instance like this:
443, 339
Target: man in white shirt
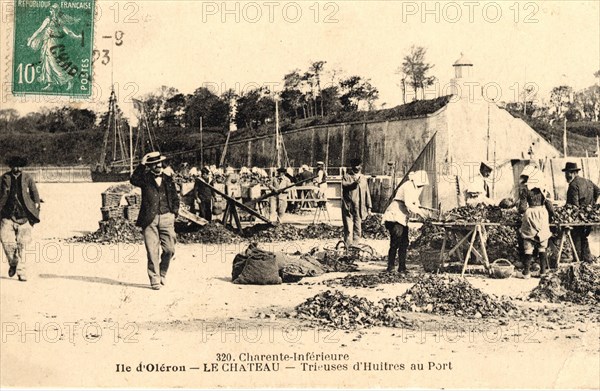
395, 218
478, 190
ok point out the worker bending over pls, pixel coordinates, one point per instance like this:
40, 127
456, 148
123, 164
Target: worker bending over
396, 216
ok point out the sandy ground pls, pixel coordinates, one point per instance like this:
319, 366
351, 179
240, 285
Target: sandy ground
87, 315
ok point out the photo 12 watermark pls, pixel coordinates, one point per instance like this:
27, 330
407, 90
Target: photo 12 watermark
69, 332
270, 12
470, 11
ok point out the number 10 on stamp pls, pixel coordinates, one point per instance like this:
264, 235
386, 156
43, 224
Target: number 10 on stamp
52, 52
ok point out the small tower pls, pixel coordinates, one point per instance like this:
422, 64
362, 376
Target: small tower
464, 84
463, 67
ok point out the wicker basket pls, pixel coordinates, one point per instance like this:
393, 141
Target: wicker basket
111, 199
111, 213
255, 192
430, 260
502, 268
132, 213
133, 199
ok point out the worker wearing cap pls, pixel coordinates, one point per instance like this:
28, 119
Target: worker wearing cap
20, 210
203, 194
581, 193
281, 185
356, 202
160, 207
478, 190
321, 179
232, 183
396, 216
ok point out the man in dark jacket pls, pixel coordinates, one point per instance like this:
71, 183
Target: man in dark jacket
160, 206
20, 210
356, 202
204, 194
582, 192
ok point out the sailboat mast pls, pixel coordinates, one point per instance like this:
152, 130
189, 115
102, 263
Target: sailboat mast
114, 126
102, 162
201, 146
277, 137
130, 150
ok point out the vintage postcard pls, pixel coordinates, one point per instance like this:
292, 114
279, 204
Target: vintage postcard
299, 194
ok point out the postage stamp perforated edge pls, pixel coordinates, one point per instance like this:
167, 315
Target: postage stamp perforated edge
11, 54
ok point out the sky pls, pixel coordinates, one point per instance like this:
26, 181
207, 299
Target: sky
240, 45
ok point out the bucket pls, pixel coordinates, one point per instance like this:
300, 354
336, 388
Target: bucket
502, 268
430, 260
110, 200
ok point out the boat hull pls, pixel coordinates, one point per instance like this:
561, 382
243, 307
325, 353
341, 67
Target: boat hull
99, 176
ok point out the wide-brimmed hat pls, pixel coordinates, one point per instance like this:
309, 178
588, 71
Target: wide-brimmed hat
154, 157
282, 169
16, 161
486, 165
570, 167
320, 163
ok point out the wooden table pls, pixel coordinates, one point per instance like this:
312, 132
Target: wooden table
306, 196
476, 234
472, 233
565, 236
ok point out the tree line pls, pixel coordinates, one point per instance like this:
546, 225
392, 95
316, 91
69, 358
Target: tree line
319, 90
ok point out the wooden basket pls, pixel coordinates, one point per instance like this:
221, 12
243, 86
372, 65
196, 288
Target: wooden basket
255, 192
111, 199
133, 199
132, 213
430, 260
501, 268
111, 213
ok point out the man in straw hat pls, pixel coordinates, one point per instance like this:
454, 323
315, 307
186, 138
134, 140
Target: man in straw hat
582, 192
20, 210
356, 202
160, 206
395, 218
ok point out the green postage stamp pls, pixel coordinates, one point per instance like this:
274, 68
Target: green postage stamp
53, 47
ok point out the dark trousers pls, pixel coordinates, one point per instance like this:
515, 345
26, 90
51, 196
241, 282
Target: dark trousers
582, 245
352, 227
206, 209
398, 245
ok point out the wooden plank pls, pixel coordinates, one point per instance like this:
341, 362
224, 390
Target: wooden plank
236, 218
277, 192
186, 214
573, 248
486, 260
240, 205
473, 234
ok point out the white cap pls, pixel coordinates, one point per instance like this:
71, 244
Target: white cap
420, 178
